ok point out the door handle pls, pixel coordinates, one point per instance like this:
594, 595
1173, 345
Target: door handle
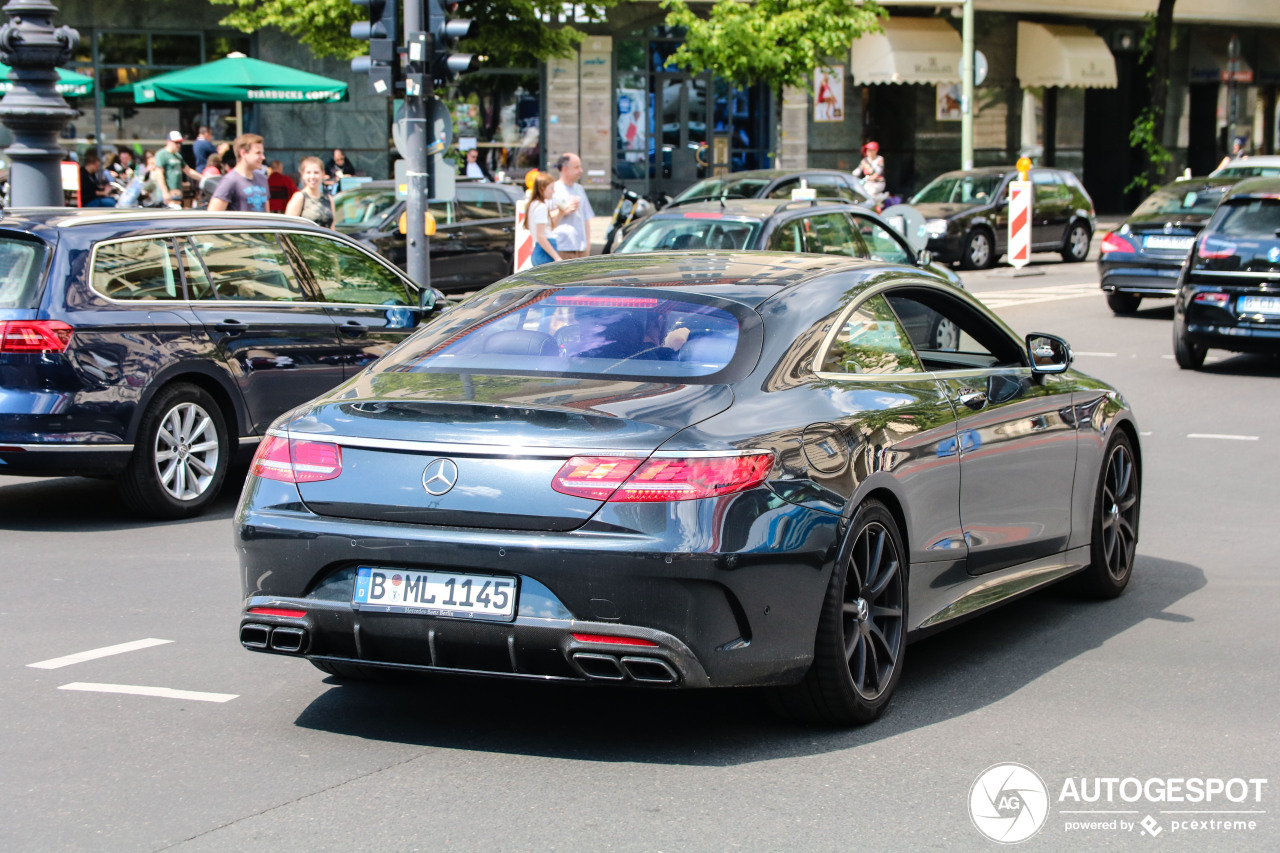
976, 400
232, 327
352, 328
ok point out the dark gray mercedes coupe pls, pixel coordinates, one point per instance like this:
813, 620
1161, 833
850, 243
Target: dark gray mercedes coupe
687, 470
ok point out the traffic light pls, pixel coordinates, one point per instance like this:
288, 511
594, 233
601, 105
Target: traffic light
445, 35
381, 31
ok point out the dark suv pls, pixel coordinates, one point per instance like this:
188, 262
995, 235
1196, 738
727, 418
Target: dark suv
155, 346
967, 215
1229, 288
475, 233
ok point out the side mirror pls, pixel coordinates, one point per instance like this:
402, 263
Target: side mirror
923, 258
1048, 353
426, 298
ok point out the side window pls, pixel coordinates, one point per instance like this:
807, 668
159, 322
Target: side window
787, 237
871, 340
783, 190
198, 284
477, 203
948, 334
830, 186
137, 269
880, 242
248, 267
833, 234
1047, 187
345, 274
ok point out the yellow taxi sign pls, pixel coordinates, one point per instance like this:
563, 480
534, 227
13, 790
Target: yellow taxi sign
428, 223
1023, 166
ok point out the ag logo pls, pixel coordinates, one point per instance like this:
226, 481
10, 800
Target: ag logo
439, 476
1008, 803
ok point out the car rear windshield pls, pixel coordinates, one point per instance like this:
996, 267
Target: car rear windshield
21, 268
669, 234
1246, 216
963, 189
1174, 200
727, 187
358, 209
614, 333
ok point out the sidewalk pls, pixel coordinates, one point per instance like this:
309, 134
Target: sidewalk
598, 228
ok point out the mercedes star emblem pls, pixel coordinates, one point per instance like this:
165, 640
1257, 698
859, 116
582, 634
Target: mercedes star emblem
439, 476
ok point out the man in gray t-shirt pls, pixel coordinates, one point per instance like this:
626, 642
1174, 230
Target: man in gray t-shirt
245, 186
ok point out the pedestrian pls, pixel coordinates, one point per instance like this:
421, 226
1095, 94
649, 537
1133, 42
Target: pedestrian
281, 186
202, 148
336, 169
871, 170
94, 192
170, 161
213, 167
571, 211
245, 186
475, 166
538, 218
312, 202
122, 168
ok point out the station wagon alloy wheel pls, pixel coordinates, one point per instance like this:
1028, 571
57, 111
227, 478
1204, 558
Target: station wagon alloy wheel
180, 455
186, 452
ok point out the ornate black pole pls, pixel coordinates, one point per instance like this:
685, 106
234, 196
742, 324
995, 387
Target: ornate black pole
33, 109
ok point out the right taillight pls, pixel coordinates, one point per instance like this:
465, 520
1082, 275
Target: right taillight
34, 336
629, 480
1115, 243
1215, 247
1217, 300
296, 460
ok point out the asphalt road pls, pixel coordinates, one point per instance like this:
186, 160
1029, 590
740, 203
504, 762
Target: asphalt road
1177, 679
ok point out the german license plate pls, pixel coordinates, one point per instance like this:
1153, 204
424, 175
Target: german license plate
1259, 305
1160, 241
435, 593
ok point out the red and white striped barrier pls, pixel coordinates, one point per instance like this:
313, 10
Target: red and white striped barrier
1020, 193
524, 238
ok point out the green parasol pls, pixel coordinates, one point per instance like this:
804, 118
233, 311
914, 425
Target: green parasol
239, 78
69, 82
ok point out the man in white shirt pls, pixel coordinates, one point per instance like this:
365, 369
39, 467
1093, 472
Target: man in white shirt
570, 210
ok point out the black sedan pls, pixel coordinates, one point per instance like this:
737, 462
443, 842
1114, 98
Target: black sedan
686, 471
1143, 257
1229, 290
474, 241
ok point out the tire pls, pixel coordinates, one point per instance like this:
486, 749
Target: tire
1075, 248
861, 639
1189, 354
1123, 303
180, 455
944, 335
978, 251
1115, 522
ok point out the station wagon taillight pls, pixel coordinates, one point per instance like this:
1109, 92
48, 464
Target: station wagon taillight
628, 480
34, 336
296, 460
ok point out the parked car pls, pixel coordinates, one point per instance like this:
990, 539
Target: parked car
474, 241
1229, 290
1144, 256
1264, 166
967, 215
775, 184
686, 470
155, 346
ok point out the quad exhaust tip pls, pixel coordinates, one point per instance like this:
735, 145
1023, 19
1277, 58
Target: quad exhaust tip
609, 668
280, 638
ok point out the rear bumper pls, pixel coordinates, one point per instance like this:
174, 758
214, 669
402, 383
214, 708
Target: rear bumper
717, 617
1140, 279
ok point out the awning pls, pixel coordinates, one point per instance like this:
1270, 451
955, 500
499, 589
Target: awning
1210, 61
910, 50
1060, 55
239, 78
70, 84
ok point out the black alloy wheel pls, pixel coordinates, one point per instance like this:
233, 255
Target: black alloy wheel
861, 640
1123, 303
1189, 354
1075, 248
978, 252
1115, 522
180, 455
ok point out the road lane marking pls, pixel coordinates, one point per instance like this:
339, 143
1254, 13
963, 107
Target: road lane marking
1222, 436
1097, 354
1031, 295
161, 692
94, 654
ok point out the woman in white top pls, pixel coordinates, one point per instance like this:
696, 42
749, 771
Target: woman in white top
539, 219
312, 202
871, 170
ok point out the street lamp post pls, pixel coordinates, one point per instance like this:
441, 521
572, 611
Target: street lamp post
33, 109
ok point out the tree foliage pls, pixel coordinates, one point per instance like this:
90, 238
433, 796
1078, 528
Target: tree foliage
777, 42
512, 33
1147, 133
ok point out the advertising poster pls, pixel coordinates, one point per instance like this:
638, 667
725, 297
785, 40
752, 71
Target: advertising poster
828, 94
948, 102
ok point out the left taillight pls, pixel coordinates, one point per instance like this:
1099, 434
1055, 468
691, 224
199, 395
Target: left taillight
627, 480
296, 460
34, 336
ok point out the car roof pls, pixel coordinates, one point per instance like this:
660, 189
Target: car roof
1260, 187
1265, 160
750, 208
1205, 182
106, 222
748, 277
777, 173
